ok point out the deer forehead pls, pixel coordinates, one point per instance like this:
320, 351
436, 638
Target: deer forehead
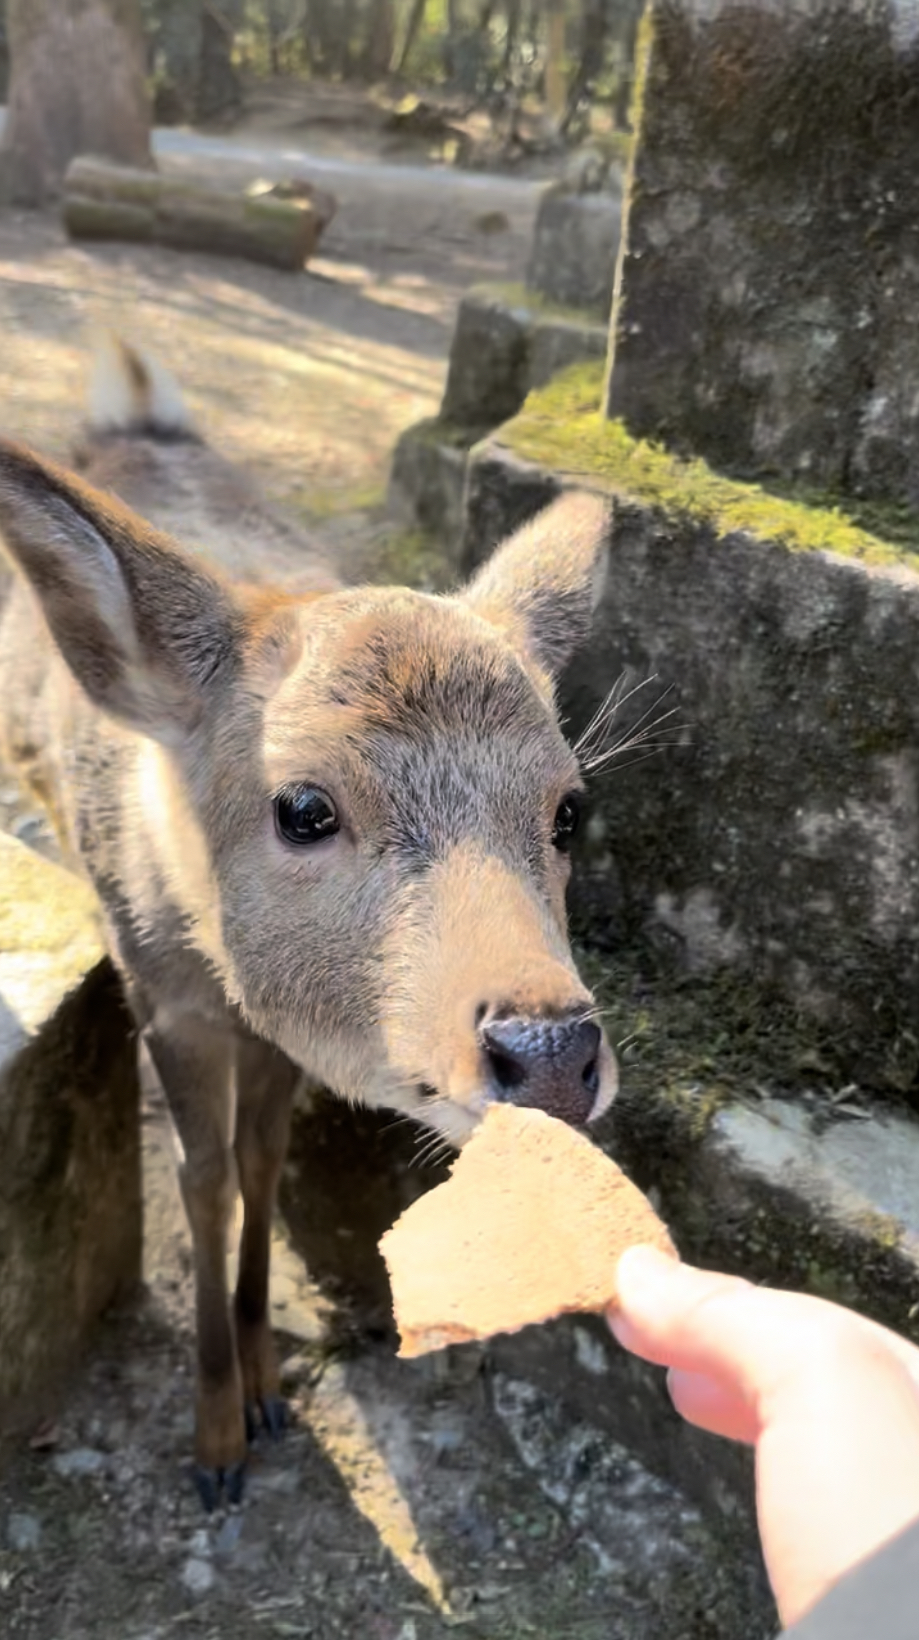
393, 680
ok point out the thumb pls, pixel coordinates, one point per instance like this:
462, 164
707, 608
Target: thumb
676, 1316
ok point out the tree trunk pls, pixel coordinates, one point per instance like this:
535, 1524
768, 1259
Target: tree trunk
513, 29
556, 80
275, 27
594, 24
450, 38
218, 91
628, 39
77, 86
416, 18
381, 35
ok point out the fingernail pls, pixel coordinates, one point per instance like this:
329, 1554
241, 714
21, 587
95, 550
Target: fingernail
640, 1268
639, 1275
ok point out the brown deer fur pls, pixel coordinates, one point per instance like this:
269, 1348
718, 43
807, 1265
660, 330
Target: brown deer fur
158, 707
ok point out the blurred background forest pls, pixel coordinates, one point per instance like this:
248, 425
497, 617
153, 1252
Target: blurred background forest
539, 73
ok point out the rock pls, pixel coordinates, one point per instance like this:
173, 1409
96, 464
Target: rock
229, 1535
198, 1576
490, 222
487, 376
586, 171
70, 1214
764, 316
575, 245
766, 1193
427, 478
23, 1533
83, 1460
506, 342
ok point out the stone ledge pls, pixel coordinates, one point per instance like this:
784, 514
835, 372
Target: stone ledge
70, 1201
760, 1191
776, 834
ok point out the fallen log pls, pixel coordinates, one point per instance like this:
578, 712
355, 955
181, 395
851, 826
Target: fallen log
279, 224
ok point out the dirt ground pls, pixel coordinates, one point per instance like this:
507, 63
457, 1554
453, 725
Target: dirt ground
408, 1499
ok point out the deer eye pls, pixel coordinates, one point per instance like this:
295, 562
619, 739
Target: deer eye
566, 822
304, 814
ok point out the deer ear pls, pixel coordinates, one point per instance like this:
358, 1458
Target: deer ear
542, 586
141, 626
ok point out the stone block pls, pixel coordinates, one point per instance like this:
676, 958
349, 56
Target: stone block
506, 342
70, 1197
777, 830
764, 301
487, 376
427, 479
575, 245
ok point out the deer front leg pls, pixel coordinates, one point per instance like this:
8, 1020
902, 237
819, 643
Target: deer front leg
265, 1081
194, 1061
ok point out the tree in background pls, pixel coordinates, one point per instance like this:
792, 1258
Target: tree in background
191, 53
77, 86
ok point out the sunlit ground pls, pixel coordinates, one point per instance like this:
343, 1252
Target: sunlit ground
293, 374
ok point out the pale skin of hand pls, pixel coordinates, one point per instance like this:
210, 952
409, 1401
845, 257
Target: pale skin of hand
829, 1400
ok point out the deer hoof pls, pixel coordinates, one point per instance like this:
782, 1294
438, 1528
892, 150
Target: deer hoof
275, 1415
216, 1485
274, 1419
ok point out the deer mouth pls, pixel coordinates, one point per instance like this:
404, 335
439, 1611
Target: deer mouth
575, 1099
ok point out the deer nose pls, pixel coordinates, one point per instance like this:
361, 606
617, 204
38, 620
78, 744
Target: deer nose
551, 1064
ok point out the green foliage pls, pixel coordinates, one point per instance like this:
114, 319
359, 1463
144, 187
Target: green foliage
493, 52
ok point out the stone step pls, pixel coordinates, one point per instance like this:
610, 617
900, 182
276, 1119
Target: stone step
427, 480
765, 859
70, 1199
507, 341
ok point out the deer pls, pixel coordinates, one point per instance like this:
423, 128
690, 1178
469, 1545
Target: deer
328, 826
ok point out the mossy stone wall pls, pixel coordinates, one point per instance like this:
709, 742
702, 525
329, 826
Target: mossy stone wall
777, 830
769, 274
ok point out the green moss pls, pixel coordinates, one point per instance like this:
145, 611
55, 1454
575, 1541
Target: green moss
698, 1042
615, 146
434, 430
536, 307
412, 558
562, 427
337, 501
46, 910
879, 1228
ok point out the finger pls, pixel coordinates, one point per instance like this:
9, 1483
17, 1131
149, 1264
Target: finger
907, 1354
832, 1399
657, 1316
674, 1315
713, 1406
837, 1467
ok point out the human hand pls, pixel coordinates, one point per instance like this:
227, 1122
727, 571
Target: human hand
829, 1400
